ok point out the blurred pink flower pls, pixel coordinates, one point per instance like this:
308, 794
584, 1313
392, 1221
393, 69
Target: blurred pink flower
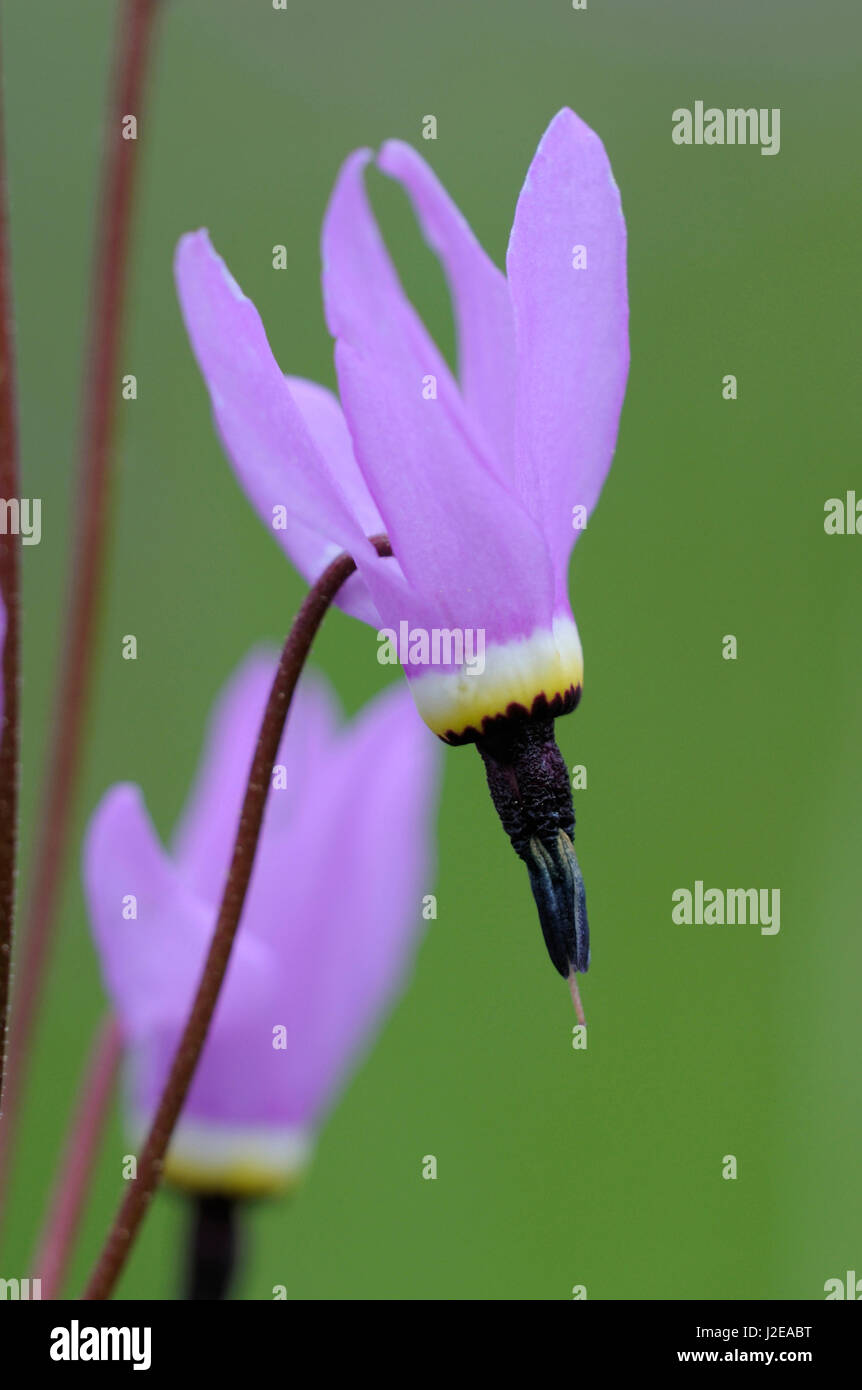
333, 915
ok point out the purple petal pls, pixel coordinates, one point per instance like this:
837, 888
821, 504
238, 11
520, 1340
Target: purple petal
149, 959
571, 328
309, 551
458, 534
240, 1078
342, 896
483, 310
332, 918
260, 425
363, 297
204, 839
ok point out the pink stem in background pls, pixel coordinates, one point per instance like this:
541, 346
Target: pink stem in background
9, 584
76, 1166
121, 158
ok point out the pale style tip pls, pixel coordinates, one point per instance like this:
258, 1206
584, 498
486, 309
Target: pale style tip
576, 998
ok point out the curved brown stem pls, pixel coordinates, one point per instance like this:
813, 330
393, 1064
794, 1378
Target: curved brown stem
134, 1205
100, 388
76, 1166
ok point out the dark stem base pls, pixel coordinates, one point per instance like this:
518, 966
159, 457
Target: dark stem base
528, 782
213, 1247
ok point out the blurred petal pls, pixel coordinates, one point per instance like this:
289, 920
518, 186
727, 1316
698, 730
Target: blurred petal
204, 839
571, 328
152, 966
343, 896
330, 924
149, 960
241, 1076
483, 310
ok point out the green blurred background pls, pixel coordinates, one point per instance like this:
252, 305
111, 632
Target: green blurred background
556, 1167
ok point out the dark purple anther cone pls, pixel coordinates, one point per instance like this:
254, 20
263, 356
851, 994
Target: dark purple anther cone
529, 785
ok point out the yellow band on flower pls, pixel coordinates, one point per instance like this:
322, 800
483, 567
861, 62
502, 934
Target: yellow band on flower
236, 1180
543, 672
236, 1162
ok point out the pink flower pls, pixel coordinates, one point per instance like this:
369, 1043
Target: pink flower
331, 922
482, 483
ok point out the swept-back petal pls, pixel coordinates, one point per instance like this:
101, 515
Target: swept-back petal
324, 419
480, 296
458, 533
455, 528
260, 424
471, 555
308, 550
364, 300
571, 327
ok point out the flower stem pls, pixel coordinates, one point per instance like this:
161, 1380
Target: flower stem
213, 1247
75, 1170
116, 1249
92, 489
9, 585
